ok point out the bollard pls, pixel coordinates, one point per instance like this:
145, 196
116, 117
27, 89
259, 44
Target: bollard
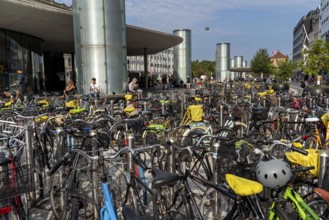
221, 108
311, 101
96, 104
279, 101
130, 137
25, 101
185, 97
11, 98
163, 108
145, 106
216, 169
327, 103
323, 160
95, 191
264, 102
112, 107
182, 109
30, 159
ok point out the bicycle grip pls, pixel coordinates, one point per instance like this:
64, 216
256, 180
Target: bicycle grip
301, 151
57, 165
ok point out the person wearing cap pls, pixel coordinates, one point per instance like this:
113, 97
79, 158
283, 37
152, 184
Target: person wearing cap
94, 88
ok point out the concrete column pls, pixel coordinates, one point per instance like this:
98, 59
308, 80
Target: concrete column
100, 44
244, 64
222, 61
238, 60
183, 56
232, 65
146, 68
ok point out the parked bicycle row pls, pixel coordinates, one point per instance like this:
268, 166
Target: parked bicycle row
227, 151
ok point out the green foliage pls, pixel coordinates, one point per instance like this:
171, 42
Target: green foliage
316, 58
285, 70
204, 67
261, 63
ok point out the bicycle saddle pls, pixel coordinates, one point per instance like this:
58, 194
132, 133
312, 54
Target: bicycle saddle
312, 119
242, 186
163, 178
129, 214
196, 133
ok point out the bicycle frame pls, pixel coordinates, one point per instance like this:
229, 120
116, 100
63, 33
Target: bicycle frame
303, 210
107, 212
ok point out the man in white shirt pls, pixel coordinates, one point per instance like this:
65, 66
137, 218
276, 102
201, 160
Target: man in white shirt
94, 88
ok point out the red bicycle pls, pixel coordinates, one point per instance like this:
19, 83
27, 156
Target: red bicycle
15, 181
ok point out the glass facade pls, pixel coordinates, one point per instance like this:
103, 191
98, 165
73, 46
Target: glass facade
19, 51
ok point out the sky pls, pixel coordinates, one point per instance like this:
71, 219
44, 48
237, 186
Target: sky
246, 25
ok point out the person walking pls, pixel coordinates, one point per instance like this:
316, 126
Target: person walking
188, 83
94, 88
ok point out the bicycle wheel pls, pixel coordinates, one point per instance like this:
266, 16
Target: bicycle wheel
181, 209
117, 136
320, 207
207, 205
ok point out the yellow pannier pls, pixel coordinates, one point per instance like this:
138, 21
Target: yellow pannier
306, 161
195, 112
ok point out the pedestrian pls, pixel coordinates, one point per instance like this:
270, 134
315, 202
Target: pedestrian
164, 82
21, 83
188, 83
94, 88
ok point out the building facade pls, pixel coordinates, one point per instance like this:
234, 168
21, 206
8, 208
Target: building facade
158, 64
324, 20
302, 32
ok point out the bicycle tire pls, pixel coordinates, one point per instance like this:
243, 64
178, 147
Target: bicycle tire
117, 134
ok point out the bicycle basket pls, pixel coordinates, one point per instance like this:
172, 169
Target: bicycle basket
15, 181
195, 112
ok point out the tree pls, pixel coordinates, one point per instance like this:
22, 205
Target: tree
204, 67
261, 63
316, 58
285, 70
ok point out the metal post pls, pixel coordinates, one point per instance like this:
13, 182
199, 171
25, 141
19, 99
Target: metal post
221, 108
311, 101
25, 101
131, 145
327, 103
145, 106
182, 109
112, 107
264, 102
163, 108
95, 179
172, 163
29, 155
216, 169
279, 101
323, 160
